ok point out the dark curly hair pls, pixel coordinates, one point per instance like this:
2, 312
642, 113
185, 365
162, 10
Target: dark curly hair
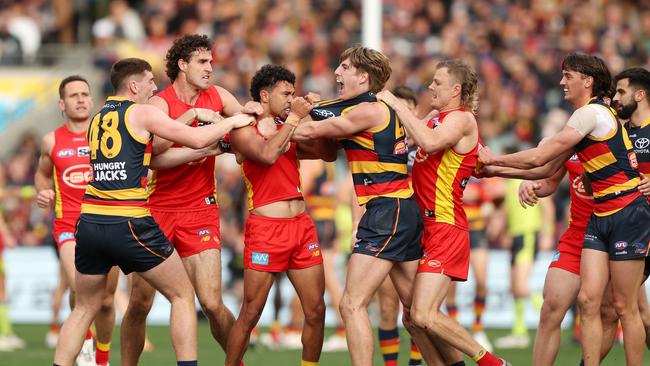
267, 77
591, 66
182, 49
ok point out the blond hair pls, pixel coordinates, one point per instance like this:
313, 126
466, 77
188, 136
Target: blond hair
465, 75
373, 62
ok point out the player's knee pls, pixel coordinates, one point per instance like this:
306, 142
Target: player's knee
388, 311
250, 315
315, 314
588, 304
623, 307
108, 303
423, 319
213, 307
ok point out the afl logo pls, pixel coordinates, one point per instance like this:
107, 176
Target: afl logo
642, 143
65, 153
77, 176
323, 113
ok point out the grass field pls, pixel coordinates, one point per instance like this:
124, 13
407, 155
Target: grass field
210, 354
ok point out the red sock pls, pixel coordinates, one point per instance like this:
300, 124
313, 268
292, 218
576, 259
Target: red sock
488, 359
101, 357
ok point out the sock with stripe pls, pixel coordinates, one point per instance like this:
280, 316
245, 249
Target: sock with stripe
102, 352
485, 358
187, 363
416, 357
452, 311
519, 328
308, 363
479, 307
5, 324
389, 344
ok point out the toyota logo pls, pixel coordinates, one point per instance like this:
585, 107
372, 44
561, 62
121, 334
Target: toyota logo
642, 143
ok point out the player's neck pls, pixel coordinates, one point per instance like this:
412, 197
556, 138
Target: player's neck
77, 126
186, 92
640, 117
452, 105
581, 101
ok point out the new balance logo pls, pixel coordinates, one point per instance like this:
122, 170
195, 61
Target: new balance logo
260, 258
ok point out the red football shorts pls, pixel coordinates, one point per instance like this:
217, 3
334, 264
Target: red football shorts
191, 232
63, 231
278, 244
569, 250
445, 250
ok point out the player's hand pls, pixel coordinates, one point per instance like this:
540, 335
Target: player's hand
266, 127
241, 120
301, 107
527, 193
206, 115
644, 185
486, 171
253, 108
387, 97
10, 241
45, 198
485, 156
313, 98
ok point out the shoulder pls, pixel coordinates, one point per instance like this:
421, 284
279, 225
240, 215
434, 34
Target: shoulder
368, 110
159, 102
48, 141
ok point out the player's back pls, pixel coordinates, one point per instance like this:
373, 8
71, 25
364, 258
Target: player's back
71, 171
119, 161
187, 187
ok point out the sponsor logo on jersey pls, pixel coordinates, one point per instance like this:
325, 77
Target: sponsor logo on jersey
372, 247
633, 162
642, 143
556, 257
260, 258
434, 263
324, 113
77, 176
204, 232
65, 153
83, 151
64, 236
620, 245
312, 246
400, 148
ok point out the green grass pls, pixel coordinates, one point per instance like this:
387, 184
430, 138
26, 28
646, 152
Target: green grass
211, 354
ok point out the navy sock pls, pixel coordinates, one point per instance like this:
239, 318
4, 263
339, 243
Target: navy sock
187, 363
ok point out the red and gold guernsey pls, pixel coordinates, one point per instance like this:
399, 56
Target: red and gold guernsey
278, 182
377, 157
440, 179
120, 163
582, 203
71, 171
187, 187
610, 164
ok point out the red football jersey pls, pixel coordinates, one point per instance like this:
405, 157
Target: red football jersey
439, 180
71, 157
275, 183
582, 203
186, 187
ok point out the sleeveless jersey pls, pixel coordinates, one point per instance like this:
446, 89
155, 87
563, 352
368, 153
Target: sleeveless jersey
71, 171
186, 187
321, 201
377, 157
439, 180
278, 182
610, 164
582, 203
119, 162
640, 137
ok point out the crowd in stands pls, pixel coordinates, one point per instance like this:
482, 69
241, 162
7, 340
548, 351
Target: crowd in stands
515, 45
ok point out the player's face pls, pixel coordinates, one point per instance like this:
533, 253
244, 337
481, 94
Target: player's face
146, 87
441, 88
279, 99
198, 70
624, 101
350, 80
574, 85
76, 103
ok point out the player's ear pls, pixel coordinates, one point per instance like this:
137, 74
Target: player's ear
61, 105
182, 65
589, 81
264, 96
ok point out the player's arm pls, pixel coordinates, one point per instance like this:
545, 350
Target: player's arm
231, 105
145, 119
159, 144
181, 155
531, 191
44, 172
361, 118
544, 171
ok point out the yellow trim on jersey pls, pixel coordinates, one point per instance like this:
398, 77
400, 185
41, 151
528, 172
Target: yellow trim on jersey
607, 213
377, 167
125, 211
118, 194
384, 125
447, 170
146, 161
630, 184
366, 143
402, 193
328, 102
598, 162
58, 202
126, 124
116, 98
151, 184
644, 124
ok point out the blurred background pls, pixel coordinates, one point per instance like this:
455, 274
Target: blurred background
516, 47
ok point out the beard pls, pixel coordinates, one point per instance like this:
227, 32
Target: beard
624, 111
